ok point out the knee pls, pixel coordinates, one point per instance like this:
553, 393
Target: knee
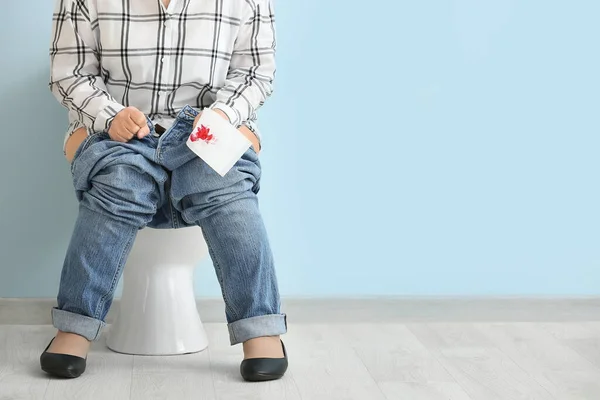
235, 206
123, 192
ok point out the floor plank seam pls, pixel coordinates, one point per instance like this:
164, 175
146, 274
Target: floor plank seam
565, 343
46, 389
131, 377
436, 355
212, 372
527, 373
357, 354
592, 363
295, 384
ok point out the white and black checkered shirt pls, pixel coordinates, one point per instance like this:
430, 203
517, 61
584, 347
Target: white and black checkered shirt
109, 54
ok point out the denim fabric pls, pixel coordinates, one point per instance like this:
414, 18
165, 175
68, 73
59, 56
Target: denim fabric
158, 182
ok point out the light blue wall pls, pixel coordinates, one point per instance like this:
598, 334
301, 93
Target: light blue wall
412, 147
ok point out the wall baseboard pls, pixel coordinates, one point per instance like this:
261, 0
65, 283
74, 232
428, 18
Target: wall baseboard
372, 310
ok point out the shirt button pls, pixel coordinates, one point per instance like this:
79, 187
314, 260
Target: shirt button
162, 60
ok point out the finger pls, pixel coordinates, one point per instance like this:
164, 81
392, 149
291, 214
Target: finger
127, 135
138, 118
122, 135
115, 137
112, 132
119, 131
144, 131
130, 126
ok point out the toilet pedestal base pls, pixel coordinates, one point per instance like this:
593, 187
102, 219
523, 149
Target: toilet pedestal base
158, 314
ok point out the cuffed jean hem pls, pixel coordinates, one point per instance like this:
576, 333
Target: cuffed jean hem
82, 325
253, 327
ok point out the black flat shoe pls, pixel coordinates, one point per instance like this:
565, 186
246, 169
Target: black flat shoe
62, 365
264, 369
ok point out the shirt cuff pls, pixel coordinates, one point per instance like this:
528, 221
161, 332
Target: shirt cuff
105, 117
232, 113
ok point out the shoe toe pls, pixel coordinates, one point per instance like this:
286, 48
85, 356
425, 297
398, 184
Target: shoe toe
62, 365
264, 369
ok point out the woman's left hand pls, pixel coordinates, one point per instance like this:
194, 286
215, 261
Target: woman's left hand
243, 129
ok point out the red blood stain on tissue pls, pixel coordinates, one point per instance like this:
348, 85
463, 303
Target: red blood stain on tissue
202, 133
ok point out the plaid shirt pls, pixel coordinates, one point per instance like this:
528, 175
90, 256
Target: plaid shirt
110, 54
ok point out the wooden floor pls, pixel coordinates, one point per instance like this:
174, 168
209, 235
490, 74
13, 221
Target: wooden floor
393, 361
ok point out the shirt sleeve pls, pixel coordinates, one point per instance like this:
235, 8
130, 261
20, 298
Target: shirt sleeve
252, 68
75, 66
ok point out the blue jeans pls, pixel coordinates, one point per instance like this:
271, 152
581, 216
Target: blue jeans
158, 182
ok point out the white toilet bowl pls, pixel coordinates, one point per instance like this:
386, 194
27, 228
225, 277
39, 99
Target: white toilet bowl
157, 314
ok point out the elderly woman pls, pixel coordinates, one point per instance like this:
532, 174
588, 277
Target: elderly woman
135, 76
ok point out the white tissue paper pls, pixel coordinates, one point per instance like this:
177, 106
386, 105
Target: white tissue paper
217, 142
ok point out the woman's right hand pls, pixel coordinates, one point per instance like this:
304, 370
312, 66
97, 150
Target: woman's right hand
127, 124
